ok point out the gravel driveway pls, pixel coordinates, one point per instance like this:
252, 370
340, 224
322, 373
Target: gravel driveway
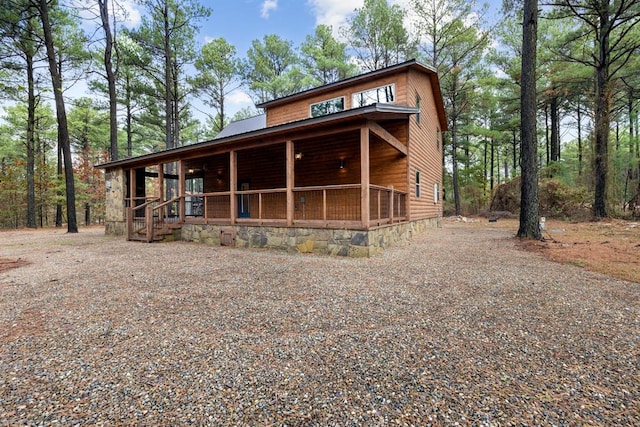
457, 326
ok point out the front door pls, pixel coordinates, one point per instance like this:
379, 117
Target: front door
244, 201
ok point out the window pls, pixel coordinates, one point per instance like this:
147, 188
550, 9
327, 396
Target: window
436, 192
418, 107
327, 107
418, 184
384, 94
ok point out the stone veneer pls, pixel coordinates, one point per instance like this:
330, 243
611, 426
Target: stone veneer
115, 212
343, 242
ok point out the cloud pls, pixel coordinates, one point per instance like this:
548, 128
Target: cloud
129, 13
336, 12
239, 98
126, 12
333, 12
267, 7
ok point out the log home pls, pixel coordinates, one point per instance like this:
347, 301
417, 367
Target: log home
348, 168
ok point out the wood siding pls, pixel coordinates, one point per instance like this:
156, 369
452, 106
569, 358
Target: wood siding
299, 110
424, 154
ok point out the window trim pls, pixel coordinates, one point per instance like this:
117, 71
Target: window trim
356, 104
324, 102
418, 185
436, 192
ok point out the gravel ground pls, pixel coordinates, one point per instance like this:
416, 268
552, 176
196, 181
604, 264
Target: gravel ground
457, 327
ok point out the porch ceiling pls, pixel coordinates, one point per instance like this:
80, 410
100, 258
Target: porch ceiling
331, 124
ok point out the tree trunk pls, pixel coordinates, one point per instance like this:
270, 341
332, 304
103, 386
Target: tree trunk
546, 134
515, 153
61, 115
555, 130
631, 130
176, 107
484, 168
579, 140
491, 170
602, 114
59, 192
529, 221
31, 119
129, 116
168, 83
111, 79
454, 158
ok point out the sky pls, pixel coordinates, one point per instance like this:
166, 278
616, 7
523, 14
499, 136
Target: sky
240, 22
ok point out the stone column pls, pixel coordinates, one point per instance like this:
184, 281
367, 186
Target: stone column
115, 214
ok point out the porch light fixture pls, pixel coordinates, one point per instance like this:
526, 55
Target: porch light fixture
219, 176
298, 156
190, 171
341, 164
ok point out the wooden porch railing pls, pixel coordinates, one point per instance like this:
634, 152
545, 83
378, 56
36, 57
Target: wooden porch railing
156, 216
322, 206
313, 206
137, 223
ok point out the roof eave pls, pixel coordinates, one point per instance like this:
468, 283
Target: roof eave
266, 132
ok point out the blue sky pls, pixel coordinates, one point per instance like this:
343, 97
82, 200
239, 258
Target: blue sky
242, 21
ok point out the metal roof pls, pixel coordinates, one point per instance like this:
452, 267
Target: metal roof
373, 112
243, 126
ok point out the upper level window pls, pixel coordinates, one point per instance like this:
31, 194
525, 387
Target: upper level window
384, 94
418, 102
327, 107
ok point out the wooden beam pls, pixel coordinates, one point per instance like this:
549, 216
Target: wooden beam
181, 189
290, 156
132, 188
233, 185
161, 182
365, 177
387, 137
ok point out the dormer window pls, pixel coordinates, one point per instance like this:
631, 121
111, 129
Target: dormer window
382, 94
330, 106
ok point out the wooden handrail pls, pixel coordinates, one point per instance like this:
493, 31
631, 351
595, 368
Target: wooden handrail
132, 209
386, 206
168, 202
328, 187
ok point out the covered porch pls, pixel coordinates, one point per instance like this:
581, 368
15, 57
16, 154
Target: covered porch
354, 177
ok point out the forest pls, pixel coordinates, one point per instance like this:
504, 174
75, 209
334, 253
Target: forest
143, 84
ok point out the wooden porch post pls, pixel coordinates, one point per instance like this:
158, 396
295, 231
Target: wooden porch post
132, 188
132, 203
364, 176
233, 184
161, 182
290, 156
181, 190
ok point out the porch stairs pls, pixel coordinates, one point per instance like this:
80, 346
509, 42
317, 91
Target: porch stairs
151, 222
164, 233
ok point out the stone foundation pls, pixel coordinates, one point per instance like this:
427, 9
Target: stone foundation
342, 242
